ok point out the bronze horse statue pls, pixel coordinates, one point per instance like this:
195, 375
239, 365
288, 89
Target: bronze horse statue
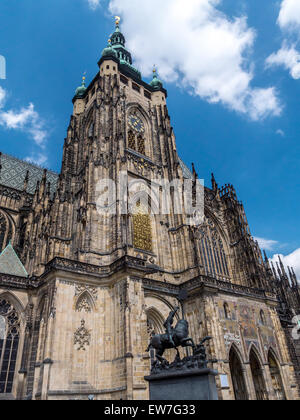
174, 338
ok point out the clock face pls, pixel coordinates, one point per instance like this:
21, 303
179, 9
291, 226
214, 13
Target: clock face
136, 123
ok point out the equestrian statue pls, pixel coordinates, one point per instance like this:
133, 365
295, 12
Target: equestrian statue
174, 338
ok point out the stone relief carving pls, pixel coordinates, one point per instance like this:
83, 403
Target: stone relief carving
83, 304
79, 289
82, 337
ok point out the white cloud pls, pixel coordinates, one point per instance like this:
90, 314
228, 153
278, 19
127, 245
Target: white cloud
2, 97
94, 4
266, 244
27, 119
289, 16
280, 132
291, 260
288, 57
38, 159
199, 48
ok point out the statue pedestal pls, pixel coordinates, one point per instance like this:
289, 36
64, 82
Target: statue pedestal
183, 384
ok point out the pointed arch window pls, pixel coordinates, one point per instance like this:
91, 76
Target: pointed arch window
136, 142
142, 230
237, 376
84, 303
211, 250
9, 344
258, 378
276, 377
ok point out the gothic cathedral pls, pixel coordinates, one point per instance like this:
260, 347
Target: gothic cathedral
81, 292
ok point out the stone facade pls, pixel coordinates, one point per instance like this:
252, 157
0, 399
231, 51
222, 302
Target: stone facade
99, 284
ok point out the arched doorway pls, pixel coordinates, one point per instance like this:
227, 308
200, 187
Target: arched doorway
237, 376
258, 378
9, 343
276, 377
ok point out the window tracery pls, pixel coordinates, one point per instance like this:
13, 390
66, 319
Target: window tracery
84, 304
9, 343
211, 250
136, 142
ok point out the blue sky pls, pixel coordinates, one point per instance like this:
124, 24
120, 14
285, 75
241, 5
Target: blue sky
232, 71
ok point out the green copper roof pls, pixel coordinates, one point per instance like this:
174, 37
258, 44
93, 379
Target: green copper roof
156, 83
117, 49
109, 51
80, 91
11, 264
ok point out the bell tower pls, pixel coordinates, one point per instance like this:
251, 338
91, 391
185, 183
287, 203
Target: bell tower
120, 125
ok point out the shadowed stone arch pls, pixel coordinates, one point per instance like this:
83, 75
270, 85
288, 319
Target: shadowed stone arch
237, 372
155, 321
276, 377
256, 365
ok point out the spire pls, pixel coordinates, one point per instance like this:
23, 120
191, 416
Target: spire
156, 83
195, 175
80, 91
294, 277
116, 49
274, 271
282, 266
213, 182
26, 180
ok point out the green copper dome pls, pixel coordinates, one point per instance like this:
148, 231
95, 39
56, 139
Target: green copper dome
156, 83
109, 51
80, 91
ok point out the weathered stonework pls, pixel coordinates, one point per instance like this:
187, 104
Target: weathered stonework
99, 285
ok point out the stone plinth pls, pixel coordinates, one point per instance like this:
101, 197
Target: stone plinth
182, 385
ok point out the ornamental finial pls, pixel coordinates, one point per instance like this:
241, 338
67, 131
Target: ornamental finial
118, 19
154, 71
